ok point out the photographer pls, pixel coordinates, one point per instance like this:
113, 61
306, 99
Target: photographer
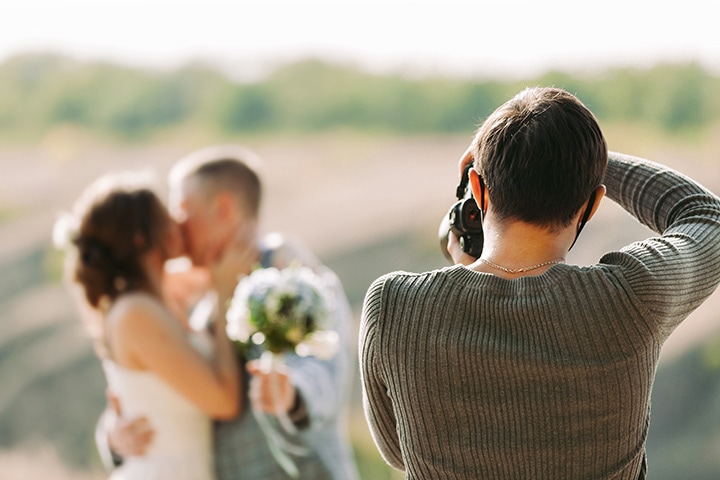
515, 365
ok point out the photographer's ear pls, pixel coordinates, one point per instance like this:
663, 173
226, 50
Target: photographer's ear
478, 189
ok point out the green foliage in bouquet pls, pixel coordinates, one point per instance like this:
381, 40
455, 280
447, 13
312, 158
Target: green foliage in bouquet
282, 311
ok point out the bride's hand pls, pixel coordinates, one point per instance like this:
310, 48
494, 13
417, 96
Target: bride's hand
237, 260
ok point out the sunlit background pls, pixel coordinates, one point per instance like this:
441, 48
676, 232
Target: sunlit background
471, 38
360, 111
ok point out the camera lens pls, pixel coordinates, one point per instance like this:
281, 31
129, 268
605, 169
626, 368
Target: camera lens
472, 216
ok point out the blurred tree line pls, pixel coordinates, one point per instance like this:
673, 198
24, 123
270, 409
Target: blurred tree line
41, 91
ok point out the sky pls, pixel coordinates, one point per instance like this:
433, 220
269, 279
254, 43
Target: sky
482, 37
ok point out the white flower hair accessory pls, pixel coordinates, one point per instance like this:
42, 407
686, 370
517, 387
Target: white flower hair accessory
65, 230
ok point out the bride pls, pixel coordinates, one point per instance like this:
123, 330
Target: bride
155, 365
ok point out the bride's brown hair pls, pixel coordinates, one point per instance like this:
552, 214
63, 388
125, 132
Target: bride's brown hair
118, 222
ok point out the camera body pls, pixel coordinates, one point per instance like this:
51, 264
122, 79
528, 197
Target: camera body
465, 220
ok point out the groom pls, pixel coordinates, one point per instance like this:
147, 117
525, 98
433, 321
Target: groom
215, 195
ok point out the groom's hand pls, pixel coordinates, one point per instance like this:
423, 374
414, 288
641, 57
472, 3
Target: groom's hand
131, 437
128, 437
238, 259
271, 391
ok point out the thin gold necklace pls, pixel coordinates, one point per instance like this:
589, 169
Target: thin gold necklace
520, 270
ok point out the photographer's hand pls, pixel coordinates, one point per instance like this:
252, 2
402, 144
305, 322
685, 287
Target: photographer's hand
456, 252
466, 158
453, 245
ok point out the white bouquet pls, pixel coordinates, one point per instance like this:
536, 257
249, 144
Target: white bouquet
283, 311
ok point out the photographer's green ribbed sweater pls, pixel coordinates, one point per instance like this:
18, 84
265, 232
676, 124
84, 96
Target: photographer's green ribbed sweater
470, 376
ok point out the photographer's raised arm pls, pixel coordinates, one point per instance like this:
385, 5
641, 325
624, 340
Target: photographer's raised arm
685, 260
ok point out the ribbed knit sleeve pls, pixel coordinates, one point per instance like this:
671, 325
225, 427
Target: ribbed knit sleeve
376, 403
674, 273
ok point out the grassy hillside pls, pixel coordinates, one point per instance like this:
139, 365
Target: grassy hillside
40, 92
684, 439
367, 205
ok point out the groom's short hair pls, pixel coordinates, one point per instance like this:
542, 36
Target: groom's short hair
223, 168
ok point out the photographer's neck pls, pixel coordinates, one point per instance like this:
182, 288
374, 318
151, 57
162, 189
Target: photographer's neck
516, 249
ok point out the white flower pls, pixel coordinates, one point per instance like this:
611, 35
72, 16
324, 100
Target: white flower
238, 331
238, 326
321, 344
272, 304
65, 229
238, 314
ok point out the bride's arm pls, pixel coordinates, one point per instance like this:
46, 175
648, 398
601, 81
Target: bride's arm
146, 335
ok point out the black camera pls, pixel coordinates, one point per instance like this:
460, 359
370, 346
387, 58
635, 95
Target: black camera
464, 219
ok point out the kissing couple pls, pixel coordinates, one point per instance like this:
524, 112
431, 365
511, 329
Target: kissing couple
179, 393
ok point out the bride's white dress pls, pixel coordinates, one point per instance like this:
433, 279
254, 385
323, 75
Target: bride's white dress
182, 446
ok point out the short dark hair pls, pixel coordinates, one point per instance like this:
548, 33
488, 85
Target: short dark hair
226, 168
540, 155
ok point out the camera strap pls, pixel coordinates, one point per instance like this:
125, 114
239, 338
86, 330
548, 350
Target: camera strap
586, 215
464, 180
